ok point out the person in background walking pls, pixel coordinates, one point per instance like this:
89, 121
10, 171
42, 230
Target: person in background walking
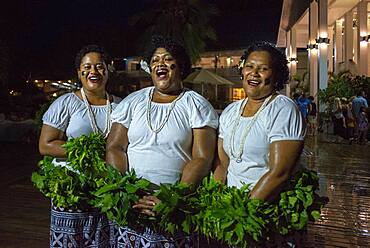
312, 116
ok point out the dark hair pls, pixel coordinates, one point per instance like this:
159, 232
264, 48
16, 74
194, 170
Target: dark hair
91, 49
174, 48
295, 95
359, 92
279, 61
311, 98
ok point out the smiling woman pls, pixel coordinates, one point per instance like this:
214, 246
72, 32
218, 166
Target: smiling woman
70, 116
166, 133
261, 136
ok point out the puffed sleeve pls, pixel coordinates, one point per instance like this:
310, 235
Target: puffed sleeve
203, 114
286, 121
58, 114
123, 112
226, 119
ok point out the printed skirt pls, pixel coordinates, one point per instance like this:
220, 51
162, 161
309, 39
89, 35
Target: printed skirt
77, 229
147, 238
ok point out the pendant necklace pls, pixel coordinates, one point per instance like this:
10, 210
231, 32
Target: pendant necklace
238, 154
149, 108
90, 113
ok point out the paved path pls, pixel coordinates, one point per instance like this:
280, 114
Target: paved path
344, 172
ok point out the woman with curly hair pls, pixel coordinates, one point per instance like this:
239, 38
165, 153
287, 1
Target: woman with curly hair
260, 137
87, 110
166, 133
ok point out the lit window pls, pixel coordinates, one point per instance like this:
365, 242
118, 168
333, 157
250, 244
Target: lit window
238, 93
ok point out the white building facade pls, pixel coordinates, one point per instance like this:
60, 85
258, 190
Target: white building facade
335, 34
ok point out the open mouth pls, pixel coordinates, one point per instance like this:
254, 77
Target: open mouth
162, 73
94, 78
253, 82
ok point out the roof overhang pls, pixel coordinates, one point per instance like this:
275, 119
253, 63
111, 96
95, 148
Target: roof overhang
296, 13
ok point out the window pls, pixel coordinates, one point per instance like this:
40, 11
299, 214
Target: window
238, 93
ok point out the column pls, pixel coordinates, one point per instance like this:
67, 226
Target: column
291, 53
330, 49
313, 52
338, 45
348, 39
287, 53
323, 47
362, 51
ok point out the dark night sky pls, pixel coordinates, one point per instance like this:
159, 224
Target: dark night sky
43, 36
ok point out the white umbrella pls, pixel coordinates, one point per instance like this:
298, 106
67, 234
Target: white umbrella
203, 76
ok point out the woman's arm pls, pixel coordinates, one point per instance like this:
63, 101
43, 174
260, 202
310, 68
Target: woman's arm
51, 141
221, 162
203, 150
283, 157
116, 149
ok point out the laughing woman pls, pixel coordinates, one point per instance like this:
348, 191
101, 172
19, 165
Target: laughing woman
166, 133
260, 137
70, 116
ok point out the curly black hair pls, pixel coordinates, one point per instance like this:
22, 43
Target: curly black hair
279, 61
174, 48
91, 49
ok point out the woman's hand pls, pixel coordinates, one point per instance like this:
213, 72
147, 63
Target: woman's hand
146, 204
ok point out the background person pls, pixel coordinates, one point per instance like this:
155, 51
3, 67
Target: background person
166, 133
358, 102
312, 116
303, 104
70, 116
363, 126
339, 120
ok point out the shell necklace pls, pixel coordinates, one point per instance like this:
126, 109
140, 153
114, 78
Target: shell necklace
149, 108
94, 126
238, 154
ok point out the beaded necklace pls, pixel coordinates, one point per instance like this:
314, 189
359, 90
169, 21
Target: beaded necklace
238, 155
149, 108
94, 126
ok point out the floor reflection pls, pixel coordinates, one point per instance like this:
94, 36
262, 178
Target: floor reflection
344, 172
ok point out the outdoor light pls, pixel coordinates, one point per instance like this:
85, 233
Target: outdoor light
293, 60
322, 40
364, 38
311, 46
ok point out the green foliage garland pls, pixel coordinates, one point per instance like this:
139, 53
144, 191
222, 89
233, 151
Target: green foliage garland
229, 215
212, 209
71, 187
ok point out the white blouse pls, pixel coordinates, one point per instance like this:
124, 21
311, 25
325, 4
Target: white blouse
160, 157
280, 120
68, 113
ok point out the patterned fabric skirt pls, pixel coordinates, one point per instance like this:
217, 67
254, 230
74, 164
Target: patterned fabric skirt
129, 238
77, 229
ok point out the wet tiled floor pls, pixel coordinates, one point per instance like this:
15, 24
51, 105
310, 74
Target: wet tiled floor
344, 172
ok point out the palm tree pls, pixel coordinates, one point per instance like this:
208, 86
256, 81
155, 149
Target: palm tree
186, 21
